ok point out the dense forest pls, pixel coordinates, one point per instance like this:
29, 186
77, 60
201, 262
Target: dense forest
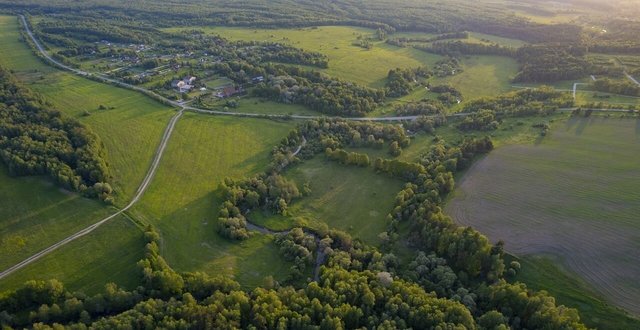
38, 140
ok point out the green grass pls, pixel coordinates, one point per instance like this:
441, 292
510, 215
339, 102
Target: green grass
356, 200
584, 97
130, 131
477, 37
39, 214
36, 214
255, 105
545, 273
483, 76
109, 254
366, 67
184, 197
572, 194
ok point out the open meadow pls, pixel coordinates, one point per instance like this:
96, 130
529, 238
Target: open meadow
107, 255
352, 199
184, 199
574, 195
35, 213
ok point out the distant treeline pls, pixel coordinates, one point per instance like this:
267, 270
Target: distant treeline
405, 15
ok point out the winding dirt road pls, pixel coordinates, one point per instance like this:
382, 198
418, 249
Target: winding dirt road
141, 189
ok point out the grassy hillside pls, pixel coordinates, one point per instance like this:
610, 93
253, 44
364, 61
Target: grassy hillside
130, 127
184, 199
573, 195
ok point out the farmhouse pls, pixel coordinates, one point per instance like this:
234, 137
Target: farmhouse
184, 85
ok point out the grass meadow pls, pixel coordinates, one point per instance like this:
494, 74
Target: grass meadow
483, 76
366, 67
184, 198
109, 254
572, 195
352, 199
35, 214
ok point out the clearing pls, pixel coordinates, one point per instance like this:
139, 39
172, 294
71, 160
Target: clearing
184, 198
349, 198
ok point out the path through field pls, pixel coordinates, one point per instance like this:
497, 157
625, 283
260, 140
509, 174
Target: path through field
574, 196
141, 189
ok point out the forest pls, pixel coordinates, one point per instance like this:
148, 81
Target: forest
36, 139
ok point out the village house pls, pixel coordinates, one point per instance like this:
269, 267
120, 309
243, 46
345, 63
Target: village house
184, 85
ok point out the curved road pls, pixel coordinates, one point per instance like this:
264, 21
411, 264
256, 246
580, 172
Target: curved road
165, 138
141, 189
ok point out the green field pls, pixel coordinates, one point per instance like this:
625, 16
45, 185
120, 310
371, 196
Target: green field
35, 214
572, 195
584, 97
367, 67
483, 76
356, 200
130, 129
481, 37
255, 105
545, 273
109, 254
39, 214
184, 198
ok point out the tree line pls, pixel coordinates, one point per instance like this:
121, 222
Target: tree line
36, 139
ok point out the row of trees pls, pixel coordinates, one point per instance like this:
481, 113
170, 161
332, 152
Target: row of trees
622, 87
321, 93
549, 63
405, 41
38, 140
525, 102
348, 158
423, 107
459, 48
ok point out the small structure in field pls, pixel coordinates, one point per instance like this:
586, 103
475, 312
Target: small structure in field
228, 91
